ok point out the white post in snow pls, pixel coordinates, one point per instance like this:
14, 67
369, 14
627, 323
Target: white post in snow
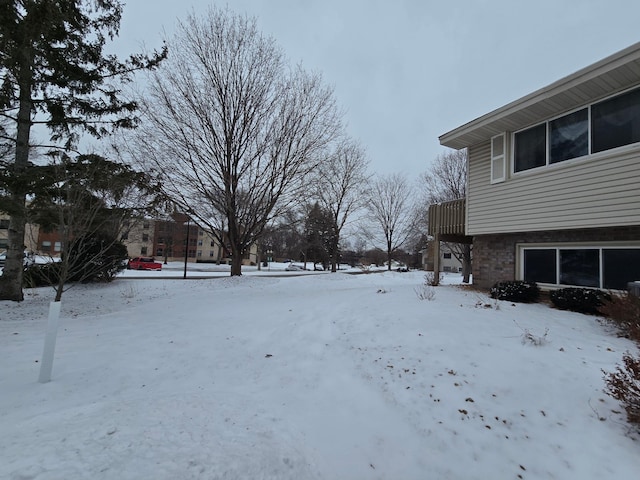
50, 342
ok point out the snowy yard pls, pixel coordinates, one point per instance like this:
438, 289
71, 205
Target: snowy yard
322, 376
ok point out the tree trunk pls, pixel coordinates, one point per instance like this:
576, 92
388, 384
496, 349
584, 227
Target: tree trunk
13, 272
466, 263
12, 275
334, 256
236, 265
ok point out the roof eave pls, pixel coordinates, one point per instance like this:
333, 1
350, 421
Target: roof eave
552, 98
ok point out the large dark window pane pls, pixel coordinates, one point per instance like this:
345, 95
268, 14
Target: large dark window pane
616, 122
580, 267
569, 136
540, 266
620, 265
530, 148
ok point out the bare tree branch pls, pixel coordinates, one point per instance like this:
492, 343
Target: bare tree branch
231, 130
340, 186
392, 210
447, 178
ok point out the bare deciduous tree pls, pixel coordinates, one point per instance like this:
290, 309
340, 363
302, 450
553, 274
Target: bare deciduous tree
231, 129
340, 187
391, 208
446, 180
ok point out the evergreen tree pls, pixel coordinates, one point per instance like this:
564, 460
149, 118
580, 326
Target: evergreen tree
54, 72
320, 235
87, 201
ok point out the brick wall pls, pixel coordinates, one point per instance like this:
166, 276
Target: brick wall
494, 256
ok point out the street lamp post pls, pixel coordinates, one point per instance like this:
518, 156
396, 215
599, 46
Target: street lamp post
269, 258
186, 248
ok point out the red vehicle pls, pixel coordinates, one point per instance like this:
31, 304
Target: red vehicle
143, 263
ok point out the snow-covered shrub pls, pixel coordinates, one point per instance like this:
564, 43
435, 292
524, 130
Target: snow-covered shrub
624, 311
624, 386
515, 291
581, 300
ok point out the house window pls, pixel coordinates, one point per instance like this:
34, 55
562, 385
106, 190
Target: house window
447, 255
611, 123
590, 266
620, 266
530, 149
213, 243
145, 224
540, 265
143, 250
46, 246
57, 246
159, 252
199, 253
211, 253
498, 168
145, 237
199, 243
616, 122
4, 224
569, 136
580, 267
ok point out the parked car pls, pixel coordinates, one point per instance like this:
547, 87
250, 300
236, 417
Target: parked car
28, 259
143, 263
292, 267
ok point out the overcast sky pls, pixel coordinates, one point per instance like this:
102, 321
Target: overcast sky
407, 71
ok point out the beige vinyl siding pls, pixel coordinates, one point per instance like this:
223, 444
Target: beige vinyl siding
602, 190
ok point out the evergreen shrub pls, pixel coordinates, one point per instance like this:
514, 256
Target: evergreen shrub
515, 291
581, 300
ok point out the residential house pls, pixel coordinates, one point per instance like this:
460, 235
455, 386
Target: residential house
31, 234
554, 182
448, 261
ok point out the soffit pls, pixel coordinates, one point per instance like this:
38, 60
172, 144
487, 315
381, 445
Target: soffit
613, 74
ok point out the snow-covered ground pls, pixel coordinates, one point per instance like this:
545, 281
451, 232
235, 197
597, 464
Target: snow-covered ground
321, 376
